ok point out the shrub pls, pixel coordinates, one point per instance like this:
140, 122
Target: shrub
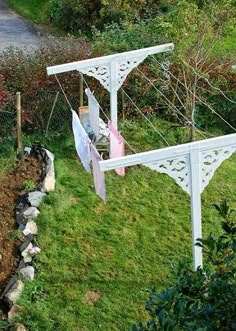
83, 15
225, 107
205, 299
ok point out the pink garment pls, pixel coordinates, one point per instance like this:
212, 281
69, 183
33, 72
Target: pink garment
98, 175
117, 146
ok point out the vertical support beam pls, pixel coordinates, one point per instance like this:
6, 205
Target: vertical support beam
81, 91
18, 126
195, 178
113, 93
123, 104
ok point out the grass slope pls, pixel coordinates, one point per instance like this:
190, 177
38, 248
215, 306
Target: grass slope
35, 10
118, 250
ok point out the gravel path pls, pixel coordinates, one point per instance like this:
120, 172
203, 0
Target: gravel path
15, 31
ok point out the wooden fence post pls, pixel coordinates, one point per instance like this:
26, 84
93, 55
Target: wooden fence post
52, 110
81, 91
18, 126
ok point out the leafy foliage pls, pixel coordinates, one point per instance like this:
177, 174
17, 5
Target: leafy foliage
82, 15
28, 185
205, 299
190, 24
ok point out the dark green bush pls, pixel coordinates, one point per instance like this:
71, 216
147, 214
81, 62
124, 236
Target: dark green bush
83, 15
226, 108
205, 299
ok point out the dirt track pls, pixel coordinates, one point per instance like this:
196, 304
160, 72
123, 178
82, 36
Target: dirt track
11, 186
15, 31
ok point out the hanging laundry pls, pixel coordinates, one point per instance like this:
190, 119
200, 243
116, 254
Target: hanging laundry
98, 175
117, 146
103, 130
82, 141
93, 112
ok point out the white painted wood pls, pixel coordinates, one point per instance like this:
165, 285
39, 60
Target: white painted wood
106, 60
211, 160
175, 167
113, 93
112, 70
168, 152
195, 194
191, 165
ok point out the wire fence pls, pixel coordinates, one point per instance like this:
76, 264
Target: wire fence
43, 112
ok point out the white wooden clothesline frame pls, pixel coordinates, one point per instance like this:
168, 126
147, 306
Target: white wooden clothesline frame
191, 165
112, 70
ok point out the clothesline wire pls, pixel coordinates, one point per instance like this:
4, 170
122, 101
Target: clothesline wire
64, 93
170, 103
147, 119
132, 149
202, 101
104, 113
209, 83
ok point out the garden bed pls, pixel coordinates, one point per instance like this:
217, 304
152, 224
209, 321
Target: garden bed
12, 185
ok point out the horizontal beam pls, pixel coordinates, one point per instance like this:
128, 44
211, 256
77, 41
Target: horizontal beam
168, 152
105, 60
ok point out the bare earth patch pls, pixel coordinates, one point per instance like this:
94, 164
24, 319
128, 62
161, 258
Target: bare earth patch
10, 189
91, 297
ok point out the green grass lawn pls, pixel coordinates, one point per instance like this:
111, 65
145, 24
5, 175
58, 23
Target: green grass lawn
35, 10
114, 251
227, 46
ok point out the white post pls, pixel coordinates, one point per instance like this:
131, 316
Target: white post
113, 93
195, 168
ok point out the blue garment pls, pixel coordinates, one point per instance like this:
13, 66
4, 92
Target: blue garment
82, 141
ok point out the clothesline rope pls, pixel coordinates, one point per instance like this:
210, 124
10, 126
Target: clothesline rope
131, 148
84, 80
209, 83
67, 100
64, 93
147, 119
199, 99
170, 103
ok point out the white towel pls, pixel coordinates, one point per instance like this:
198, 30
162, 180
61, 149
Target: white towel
82, 141
93, 112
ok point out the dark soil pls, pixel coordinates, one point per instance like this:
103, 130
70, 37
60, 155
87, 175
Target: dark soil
11, 186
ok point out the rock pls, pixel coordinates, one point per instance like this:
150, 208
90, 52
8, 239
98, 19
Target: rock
27, 150
15, 292
31, 227
20, 327
21, 264
49, 184
21, 227
29, 251
49, 181
13, 312
10, 285
35, 198
26, 252
28, 239
31, 213
35, 250
27, 273
28, 258
50, 155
